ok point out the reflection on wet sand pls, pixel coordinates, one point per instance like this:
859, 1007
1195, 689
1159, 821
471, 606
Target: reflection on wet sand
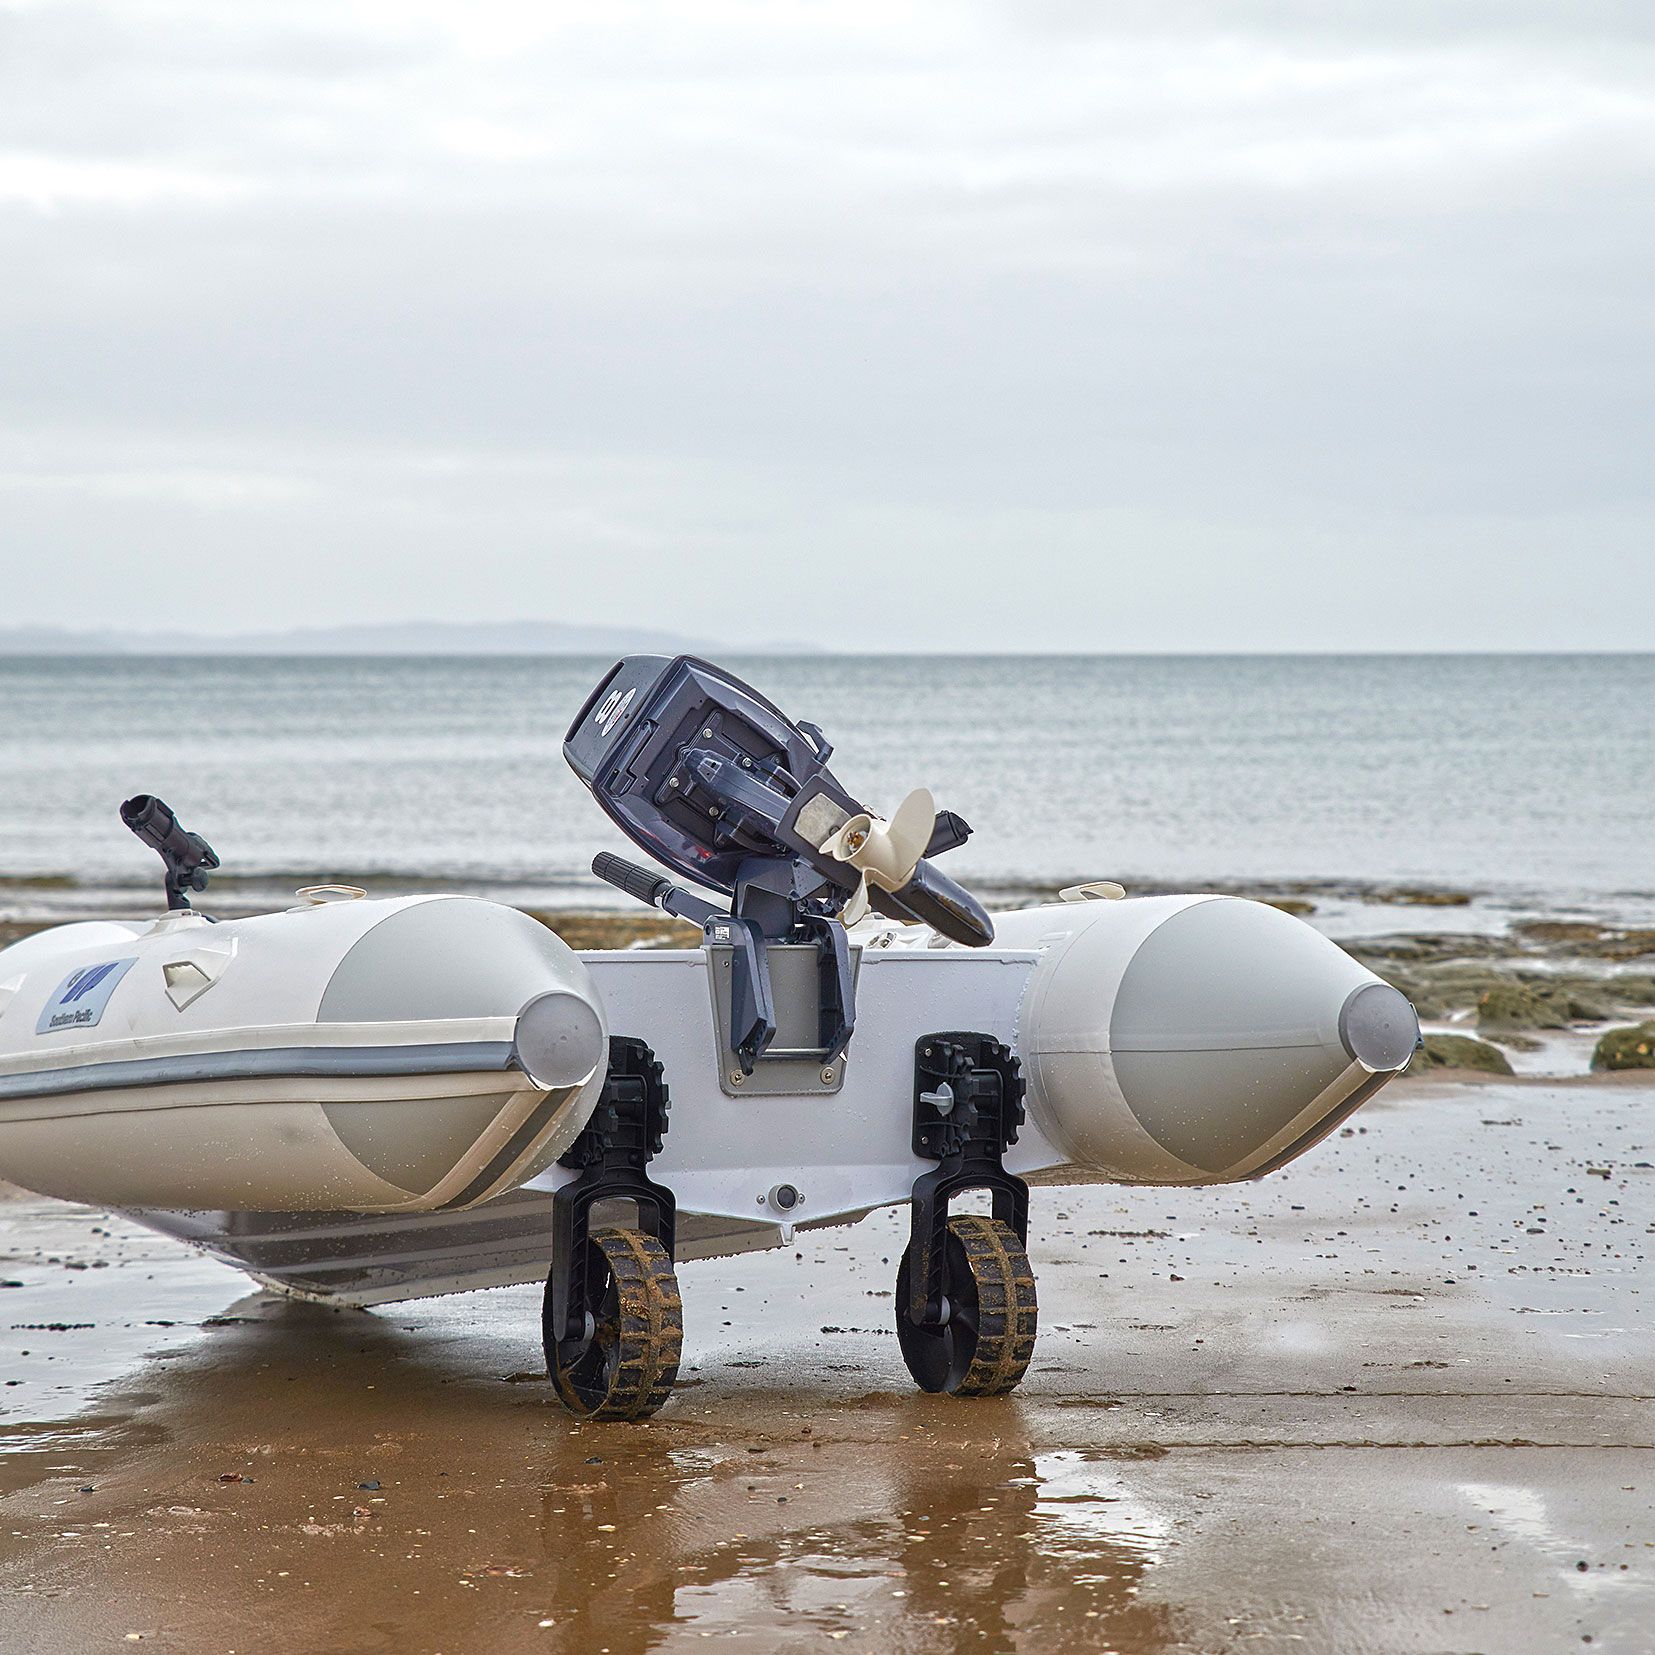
977, 1541
388, 1478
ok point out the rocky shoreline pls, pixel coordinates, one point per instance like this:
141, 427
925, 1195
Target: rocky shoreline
1485, 999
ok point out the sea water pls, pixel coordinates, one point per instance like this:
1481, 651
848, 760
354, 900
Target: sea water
1532, 776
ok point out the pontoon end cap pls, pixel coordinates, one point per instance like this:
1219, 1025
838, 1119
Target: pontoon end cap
559, 1040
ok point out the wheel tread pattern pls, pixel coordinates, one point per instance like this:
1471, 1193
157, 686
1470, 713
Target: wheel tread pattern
648, 1330
1007, 1307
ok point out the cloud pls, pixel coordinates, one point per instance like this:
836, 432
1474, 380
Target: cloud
1215, 295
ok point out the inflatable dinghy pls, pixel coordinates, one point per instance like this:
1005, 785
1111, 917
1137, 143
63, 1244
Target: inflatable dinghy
413, 1055
361, 1101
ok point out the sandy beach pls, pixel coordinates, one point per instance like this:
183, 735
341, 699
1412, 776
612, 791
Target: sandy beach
1395, 1397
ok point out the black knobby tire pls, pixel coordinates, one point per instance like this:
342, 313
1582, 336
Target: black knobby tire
626, 1369
985, 1347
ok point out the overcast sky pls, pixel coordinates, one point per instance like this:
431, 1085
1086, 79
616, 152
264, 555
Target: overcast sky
1049, 324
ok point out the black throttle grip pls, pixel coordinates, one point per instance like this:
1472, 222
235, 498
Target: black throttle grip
629, 877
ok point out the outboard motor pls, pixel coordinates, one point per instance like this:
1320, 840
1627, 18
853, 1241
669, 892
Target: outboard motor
714, 781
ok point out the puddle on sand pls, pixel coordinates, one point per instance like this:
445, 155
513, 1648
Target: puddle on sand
986, 1545
363, 1478
87, 1298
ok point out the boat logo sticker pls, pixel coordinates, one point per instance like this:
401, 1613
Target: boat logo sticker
81, 997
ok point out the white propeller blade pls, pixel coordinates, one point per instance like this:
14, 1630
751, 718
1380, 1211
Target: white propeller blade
884, 853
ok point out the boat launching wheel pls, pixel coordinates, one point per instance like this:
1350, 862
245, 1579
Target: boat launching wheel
985, 1339
613, 1322
966, 1309
633, 1327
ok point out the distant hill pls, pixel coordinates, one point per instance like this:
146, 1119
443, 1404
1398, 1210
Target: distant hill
390, 638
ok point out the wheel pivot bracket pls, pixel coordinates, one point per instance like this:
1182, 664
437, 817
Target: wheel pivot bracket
612, 1154
968, 1109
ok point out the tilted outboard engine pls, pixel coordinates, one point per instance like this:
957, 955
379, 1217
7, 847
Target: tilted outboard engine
715, 782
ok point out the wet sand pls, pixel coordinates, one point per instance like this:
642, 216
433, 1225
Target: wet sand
1400, 1396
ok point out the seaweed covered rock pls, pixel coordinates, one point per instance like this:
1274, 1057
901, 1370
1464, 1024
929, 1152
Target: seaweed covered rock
1424, 949
1585, 937
1576, 935
1519, 1006
1416, 896
626, 930
1424, 1002
1459, 1051
1461, 984
1298, 906
1631, 989
1634, 944
1579, 1000
1628, 1048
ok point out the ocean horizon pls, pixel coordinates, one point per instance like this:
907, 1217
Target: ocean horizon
1523, 777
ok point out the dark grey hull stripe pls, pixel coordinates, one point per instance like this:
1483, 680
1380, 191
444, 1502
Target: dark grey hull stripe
288, 1062
1323, 1127
521, 1141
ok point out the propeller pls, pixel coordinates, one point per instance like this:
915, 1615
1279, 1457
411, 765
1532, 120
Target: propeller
884, 853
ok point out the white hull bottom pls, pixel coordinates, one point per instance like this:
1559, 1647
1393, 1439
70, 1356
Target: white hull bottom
357, 1259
